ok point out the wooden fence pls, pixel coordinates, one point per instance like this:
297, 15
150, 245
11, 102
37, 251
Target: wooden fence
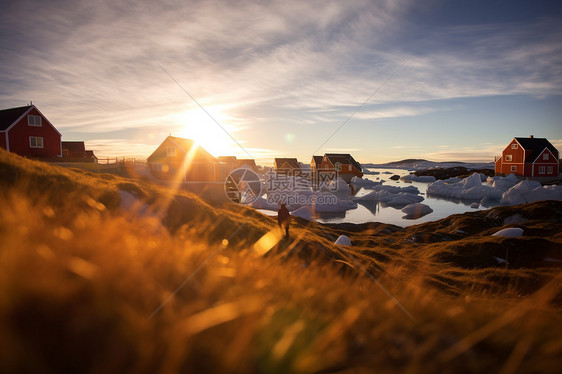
117, 160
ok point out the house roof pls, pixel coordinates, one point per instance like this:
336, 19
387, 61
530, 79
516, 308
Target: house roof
90, 154
77, 146
226, 158
246, 161
291, 162
9, 116
343, 158
185, 145
536, 145
317, 160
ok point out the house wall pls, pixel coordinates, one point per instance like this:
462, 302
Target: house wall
347, 172
517, 160
326, 164
72, 154
201, 168
498, 165
3, 139
19, 138
552, 162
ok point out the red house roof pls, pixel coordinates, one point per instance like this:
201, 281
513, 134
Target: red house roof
343, 158
292, 163
75, 147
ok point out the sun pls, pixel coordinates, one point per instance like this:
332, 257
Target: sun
197, 125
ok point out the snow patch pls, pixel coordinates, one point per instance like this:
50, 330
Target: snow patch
343, 240
304, 212
513, 232
261, 203
500, 260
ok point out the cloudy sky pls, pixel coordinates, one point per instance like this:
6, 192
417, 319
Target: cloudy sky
383, 80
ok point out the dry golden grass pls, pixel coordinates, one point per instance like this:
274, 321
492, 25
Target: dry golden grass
88, 287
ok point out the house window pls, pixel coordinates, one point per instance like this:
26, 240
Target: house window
348, 167
549, 170
514, 168
34, 121
545, 156
35, 142
157, 168
170, 151
508, 157
514, 146
542, 169
338, 166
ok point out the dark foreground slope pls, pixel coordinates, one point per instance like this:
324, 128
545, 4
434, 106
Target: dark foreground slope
172, 284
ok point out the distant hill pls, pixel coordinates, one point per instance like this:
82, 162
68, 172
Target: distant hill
421, 164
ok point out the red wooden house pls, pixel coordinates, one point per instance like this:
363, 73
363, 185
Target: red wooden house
528, 157
343, 163
184, 159
75, 151
315, 164
289, 166
27, 132
227, 164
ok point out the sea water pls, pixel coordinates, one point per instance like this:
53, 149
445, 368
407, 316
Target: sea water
379, 212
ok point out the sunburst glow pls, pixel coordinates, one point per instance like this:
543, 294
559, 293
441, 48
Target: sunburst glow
197, 125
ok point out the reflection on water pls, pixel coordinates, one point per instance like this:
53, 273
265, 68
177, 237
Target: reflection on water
372, 205
372, 211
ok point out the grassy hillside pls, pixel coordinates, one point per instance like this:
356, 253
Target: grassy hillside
176, 285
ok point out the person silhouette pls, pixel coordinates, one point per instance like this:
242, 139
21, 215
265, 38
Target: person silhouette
284, 219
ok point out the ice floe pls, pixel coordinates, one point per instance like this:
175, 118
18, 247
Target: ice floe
392, 195
416, 210
418, 178
505, 190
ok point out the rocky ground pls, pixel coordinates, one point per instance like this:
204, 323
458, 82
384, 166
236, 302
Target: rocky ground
458, 171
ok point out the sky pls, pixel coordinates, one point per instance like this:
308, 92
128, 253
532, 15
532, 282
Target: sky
382, 80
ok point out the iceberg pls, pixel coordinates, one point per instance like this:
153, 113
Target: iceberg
416, 210
420, 178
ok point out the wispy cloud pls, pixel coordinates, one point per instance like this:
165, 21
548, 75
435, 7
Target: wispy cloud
346, 150
288, 64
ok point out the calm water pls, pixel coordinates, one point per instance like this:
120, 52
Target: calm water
379, 213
